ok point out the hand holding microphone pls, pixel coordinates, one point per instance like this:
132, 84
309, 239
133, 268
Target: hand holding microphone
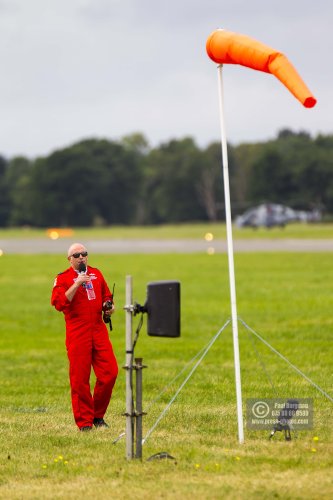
82, 277
82, 280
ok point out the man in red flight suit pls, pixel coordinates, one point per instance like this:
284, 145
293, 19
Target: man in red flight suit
82, 296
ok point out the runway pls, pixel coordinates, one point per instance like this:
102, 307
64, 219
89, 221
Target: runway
132, 246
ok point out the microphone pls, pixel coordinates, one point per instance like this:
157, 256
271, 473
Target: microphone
82, 267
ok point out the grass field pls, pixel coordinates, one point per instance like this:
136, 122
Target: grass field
181, 231
286, 298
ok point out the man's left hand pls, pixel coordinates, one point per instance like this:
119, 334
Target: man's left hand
108, 311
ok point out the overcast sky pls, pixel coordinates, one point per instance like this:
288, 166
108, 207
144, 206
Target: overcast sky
73, 69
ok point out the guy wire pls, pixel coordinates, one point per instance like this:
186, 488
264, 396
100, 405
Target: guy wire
287, 361
209, 345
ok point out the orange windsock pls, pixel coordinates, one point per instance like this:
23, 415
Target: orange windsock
226, 47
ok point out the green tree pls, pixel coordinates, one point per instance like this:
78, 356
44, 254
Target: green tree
92, 182
105, 182
172, 174
5, 206
210, 181
244, 157
271, 178
19, 190
138, 145
276, 170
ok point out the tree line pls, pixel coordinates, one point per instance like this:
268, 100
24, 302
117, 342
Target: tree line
104, 182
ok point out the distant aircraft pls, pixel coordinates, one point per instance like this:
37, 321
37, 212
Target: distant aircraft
271, 214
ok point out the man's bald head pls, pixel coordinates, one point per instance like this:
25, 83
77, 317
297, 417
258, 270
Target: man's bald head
77, 253
75, 248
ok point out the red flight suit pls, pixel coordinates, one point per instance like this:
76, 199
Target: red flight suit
87, 343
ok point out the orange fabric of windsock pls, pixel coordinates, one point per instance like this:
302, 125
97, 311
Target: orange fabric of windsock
226, 47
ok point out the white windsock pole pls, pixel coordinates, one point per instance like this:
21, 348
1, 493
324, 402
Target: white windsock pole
230, 259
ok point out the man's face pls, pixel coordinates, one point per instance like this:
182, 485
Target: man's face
77, 255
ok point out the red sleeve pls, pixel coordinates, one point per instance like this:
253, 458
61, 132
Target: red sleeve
58, 297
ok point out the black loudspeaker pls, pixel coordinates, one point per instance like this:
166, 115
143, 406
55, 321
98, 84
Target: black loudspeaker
163, 308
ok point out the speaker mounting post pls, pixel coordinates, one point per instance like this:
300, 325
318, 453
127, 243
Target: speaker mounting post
163, 310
